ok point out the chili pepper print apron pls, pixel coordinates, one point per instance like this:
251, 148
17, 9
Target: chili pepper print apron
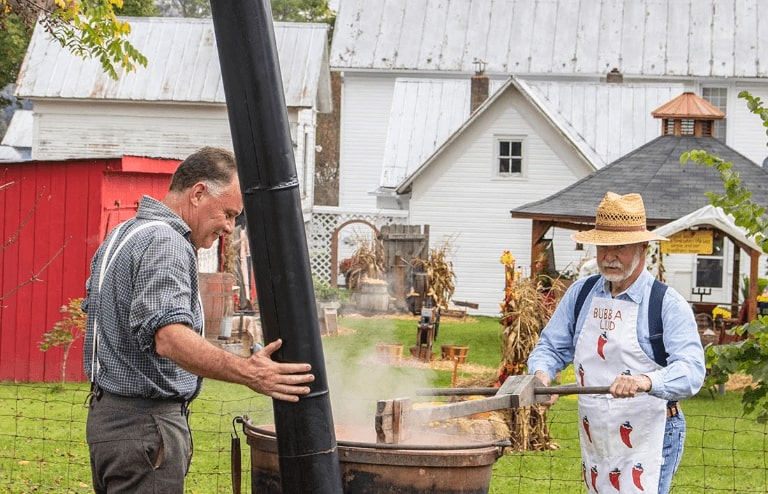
621, 438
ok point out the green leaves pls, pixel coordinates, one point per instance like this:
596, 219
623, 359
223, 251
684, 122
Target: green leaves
749, 356
90, 29
69, 329
755, 105
737, 198
87, 28
14, 39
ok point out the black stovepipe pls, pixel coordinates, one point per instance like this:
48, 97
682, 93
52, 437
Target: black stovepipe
258, 119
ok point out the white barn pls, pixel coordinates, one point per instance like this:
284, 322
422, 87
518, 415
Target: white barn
397, 154
173, 106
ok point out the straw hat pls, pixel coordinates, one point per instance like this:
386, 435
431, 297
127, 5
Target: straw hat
620, 220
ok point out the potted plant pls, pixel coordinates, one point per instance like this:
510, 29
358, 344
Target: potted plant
327, 298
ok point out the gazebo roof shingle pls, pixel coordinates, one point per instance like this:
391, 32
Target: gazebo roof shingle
670, 190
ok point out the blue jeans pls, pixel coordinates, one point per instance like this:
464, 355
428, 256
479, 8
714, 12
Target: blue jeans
672, 452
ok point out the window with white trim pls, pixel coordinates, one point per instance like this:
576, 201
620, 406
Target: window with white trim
709, 269
509, 156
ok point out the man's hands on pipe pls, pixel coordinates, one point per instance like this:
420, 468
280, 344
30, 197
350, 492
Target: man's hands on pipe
280, 381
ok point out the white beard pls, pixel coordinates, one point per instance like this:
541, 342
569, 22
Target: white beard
625, 273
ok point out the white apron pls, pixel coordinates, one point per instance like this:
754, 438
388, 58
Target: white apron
621, 438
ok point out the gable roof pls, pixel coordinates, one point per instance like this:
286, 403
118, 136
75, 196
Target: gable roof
513, 84
425, 113
644, 38
711, 216
609, 120
669, 189
183, 65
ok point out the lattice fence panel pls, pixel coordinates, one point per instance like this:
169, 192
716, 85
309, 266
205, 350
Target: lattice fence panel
320, 236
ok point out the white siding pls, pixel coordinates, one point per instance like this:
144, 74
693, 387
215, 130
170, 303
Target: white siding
746, 133
304, 150
366, 102
77, 129
466, 205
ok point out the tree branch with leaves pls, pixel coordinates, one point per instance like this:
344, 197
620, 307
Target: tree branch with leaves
68, 330
87, 28
749, 356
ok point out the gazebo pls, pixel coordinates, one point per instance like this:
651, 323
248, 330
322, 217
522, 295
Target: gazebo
670, 190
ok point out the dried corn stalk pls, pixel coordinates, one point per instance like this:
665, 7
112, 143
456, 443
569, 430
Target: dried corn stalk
524, 312
440, 274
366, 262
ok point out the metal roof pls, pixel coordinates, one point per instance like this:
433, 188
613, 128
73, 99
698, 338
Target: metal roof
425, 113
182, 65
605, 121
669, 189
688, 105
513, 83
699, 38
8, 153
19, 133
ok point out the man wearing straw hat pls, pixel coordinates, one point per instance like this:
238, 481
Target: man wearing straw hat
626, 330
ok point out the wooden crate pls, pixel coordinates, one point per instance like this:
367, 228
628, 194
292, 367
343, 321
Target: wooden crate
389, 352
454, 352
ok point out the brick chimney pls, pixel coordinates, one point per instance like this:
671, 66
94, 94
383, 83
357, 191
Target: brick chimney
614, 76
479, 87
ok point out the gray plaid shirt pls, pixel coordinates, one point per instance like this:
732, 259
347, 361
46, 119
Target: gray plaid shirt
152, 283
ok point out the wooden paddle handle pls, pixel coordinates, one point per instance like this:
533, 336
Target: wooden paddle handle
572, 390
567, 389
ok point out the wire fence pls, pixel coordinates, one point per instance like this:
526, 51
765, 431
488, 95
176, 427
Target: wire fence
43, 449
724, 452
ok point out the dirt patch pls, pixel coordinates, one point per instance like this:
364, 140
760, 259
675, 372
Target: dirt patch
410, 361
737, 382
406, 316
436, 364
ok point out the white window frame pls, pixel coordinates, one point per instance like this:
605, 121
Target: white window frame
720, 101
497, 140
716, 257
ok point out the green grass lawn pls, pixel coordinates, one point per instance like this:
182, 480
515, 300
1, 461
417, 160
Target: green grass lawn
42, 426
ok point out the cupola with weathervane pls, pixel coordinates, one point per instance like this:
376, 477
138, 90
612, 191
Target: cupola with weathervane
688, 115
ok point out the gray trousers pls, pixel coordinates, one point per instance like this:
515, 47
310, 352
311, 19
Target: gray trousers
138, 445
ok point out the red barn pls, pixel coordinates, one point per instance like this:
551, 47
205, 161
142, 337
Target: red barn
53, 216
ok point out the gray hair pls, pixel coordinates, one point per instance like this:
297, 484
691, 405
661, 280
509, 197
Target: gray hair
215, 167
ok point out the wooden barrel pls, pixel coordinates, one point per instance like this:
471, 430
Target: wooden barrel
428, 462
374, 297
216, 292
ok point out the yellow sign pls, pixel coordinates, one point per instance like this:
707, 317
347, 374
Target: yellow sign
689, 242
